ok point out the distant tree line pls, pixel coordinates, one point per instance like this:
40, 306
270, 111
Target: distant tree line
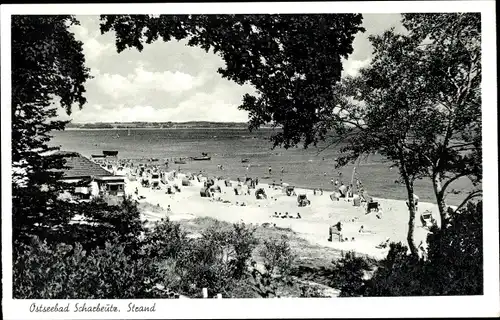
188, 124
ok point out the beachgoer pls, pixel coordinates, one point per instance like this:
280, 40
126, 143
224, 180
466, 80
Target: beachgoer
321, 190
256, 181
298, 216
336, 182
282, 170
169, 210
362, 229
270, 169
324, 174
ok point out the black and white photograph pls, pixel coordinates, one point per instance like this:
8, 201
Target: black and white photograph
156, 156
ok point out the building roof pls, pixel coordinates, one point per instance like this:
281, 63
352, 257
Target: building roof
79, 166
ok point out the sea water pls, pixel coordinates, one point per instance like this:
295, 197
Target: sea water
304, 168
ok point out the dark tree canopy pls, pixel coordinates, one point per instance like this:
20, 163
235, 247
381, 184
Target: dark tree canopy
293, 61
47, 64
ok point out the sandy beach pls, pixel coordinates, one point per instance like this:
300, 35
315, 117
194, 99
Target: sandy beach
315, 218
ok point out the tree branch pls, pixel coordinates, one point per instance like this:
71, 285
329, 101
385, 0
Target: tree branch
449, 181
471, 195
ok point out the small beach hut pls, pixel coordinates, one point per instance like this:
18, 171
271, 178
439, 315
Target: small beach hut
336, 230
302, 200
215, 188
335, 196
205, 193
169, 190
237, 190
372, 206
356, 201
289, 190
260, 194
343, 191
186, 182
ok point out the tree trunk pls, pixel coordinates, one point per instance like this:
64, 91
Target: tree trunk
411, 221
438, 191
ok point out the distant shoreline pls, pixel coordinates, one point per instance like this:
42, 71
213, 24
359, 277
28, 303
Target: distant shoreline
153, 128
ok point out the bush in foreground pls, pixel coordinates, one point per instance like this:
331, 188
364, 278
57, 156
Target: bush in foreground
454, 264
43, 271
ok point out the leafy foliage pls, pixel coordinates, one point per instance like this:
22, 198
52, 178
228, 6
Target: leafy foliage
348, 274
47, 63
418, 104
454, 265
278, 259
164, 240
216, 261
278, 256
61, 271
291, 60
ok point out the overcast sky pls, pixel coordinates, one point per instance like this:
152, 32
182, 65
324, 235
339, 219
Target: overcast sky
173, 82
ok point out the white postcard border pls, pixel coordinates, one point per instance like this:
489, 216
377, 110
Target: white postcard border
486, 305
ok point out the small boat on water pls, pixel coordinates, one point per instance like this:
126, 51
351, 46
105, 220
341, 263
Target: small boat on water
110, 153
98, 156
179, 162
245, 160
201, 158
204, 156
